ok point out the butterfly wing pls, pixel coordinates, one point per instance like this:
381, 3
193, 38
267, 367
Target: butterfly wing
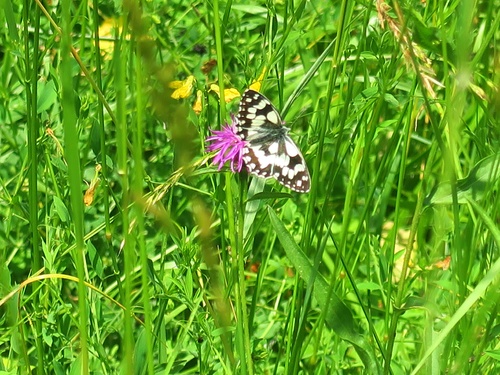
270, 152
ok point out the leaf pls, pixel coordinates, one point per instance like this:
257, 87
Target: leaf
47, 95
140, 352
252, 9
495, 354
475, 186
252, 206
489, 279
337, 315
61, 209
391, 99
10, 19
96, 260
10, 311
368, 285
76, 367
269, 195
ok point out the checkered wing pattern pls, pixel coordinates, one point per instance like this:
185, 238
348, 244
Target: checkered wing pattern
269, 151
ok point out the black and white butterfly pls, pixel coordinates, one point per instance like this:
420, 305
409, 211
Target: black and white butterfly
269, 150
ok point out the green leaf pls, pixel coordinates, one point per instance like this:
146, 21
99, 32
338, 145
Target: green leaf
370, 92
47, 95
474, 187
337, 315
76, 367
96, 260
140, 352
489, 279
10, 311
61, 209
368, 285
391, 99
495, 354
252, 9
10, 18
252, 206
269, 195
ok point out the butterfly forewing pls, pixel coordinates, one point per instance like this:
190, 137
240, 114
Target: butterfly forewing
270, 152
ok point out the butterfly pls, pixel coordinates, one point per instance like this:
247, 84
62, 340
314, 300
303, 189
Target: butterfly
269, 151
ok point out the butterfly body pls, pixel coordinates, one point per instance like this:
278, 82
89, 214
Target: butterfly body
269, 151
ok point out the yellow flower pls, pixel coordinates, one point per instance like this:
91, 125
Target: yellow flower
229, 94
88, 198
256, 85
108, 30
197, 103
183, 88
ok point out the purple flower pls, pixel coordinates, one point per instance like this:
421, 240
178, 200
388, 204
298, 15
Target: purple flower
229, 146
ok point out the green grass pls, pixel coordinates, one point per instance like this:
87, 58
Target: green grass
388, 266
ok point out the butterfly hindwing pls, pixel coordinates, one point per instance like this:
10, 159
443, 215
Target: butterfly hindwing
270, 152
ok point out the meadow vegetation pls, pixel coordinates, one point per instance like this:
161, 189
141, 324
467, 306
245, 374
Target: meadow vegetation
124, 249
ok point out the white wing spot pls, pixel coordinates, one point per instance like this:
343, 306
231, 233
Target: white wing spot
291, 148
283, 160
260, 105
300, 168
274, 148
259, 121
273, 117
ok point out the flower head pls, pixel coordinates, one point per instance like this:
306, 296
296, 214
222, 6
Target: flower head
229, 94
183, 89
229, 146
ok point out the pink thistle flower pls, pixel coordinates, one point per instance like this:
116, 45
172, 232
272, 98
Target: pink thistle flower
229, 146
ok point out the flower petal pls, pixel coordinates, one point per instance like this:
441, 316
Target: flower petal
229, 146
185, 89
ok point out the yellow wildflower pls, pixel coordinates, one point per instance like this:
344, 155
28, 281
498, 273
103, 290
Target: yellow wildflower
197, 103
257, 84
183, 88
229, 94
